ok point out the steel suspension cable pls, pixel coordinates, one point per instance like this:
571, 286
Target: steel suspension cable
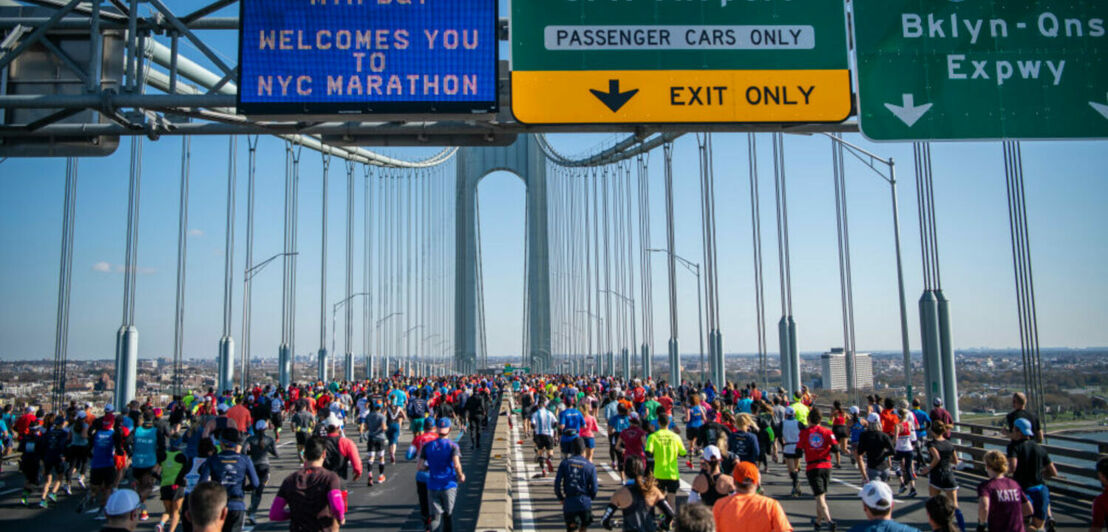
756, 239
182, 250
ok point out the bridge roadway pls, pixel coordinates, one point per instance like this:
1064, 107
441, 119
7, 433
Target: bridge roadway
391, 506
537, 509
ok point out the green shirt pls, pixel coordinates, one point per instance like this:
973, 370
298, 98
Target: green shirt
666, 447
651, 409
801, 412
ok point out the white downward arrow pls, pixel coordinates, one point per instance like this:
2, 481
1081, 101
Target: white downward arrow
909, 113
1100, 108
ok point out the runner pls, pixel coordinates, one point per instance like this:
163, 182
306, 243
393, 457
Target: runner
816, 442
311, 497
53, 460
31, 446
1001, 505
259, 448
231, 470
940, 470
172, 485
905, 435
747, 510
148, 450
544, 425
665, 447
790, 437
589, 430
637, 499
376, 442
575, 486
1030, 464
873, 451
394, 418
841, 431
442, 460
706, 482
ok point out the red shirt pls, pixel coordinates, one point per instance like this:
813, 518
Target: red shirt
22, 425
1100, 511
889, 420
633, 440
816, 442
667, 403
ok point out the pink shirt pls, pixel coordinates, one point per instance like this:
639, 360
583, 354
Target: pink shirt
591, 428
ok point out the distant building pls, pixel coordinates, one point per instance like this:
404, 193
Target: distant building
833, 365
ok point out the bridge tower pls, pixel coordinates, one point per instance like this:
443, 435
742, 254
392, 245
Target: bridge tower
525, 159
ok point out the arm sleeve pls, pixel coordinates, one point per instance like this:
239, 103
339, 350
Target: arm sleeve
251, 473
347, 448
558, 478
338, 509
278, 511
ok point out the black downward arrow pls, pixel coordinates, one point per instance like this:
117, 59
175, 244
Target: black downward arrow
613, 98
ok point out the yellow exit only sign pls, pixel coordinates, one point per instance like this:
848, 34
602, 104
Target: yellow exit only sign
680, 96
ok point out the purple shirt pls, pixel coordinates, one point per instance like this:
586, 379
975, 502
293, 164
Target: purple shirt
1005, 503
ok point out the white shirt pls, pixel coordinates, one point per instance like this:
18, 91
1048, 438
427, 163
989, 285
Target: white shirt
544, 422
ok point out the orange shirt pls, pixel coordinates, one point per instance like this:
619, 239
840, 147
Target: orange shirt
889, 421
750, 513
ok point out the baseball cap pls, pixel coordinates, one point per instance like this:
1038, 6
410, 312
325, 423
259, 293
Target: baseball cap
937, 402
711, 452
1024, 426
332, 421
109, 408
29, 409
443, 424
81, 414
260, 425
223, 407
746, 473
122, 502
877, 495
873, 417
854, 410
790, 412
230, 436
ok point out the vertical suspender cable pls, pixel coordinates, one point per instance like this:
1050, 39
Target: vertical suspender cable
756, 238
65, 278
321, 371
182, 249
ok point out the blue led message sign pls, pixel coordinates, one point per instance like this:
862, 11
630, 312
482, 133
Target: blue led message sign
367, 56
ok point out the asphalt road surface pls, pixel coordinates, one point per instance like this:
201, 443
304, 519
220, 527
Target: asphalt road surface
389, 506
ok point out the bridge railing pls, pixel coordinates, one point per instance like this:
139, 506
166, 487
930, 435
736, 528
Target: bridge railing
1076, 467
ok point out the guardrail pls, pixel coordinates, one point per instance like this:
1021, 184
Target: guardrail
1079, 480
977, 440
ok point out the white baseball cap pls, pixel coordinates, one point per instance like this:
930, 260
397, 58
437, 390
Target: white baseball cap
873, 417
877, 495
790, 411
711, 452
122, 502
261, 425
854, 410
223, 407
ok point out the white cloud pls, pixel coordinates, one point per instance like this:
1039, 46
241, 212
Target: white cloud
107, 267
196, 233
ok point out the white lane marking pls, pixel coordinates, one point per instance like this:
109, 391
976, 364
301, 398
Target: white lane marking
523, 474
611, 472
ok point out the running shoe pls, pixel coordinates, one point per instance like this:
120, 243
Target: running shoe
53, 497
832, 526
144, 516
160, 527
381, 479
81, 483
23, 501
815, 524
43, 504
902, 489
250, 520
68, 490
688, 464
913, 493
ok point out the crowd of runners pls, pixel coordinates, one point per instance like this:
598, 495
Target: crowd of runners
730, 436
116, 460
204, 449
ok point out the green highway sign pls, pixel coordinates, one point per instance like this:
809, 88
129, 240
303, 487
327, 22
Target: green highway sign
982, 69
672, 61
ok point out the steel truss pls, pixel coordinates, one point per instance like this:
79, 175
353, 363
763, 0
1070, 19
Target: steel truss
209, 100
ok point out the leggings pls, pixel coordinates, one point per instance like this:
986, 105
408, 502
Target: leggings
256, 495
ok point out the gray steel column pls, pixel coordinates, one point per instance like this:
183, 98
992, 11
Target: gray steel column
786, 327
930, 341
322, 360
126, 341
671, 268
227, 343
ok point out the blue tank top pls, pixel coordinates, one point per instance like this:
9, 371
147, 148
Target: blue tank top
103, 449
146, 448
696, 417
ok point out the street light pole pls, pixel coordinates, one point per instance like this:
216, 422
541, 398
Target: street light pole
869, 159
247, 275
693, 268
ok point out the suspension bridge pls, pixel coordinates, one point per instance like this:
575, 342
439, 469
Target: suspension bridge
104, 78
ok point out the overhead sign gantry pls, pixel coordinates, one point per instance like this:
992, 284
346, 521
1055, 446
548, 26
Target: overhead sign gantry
986, 69
350, 58
651, 61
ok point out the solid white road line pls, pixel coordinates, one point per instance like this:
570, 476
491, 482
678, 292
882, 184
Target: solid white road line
523, 475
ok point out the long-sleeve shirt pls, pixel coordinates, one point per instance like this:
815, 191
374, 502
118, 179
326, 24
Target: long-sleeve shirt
230, 469
575, 484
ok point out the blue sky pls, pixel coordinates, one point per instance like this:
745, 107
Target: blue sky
1066, 190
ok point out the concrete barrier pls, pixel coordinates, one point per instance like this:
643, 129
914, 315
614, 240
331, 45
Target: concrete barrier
496, 498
